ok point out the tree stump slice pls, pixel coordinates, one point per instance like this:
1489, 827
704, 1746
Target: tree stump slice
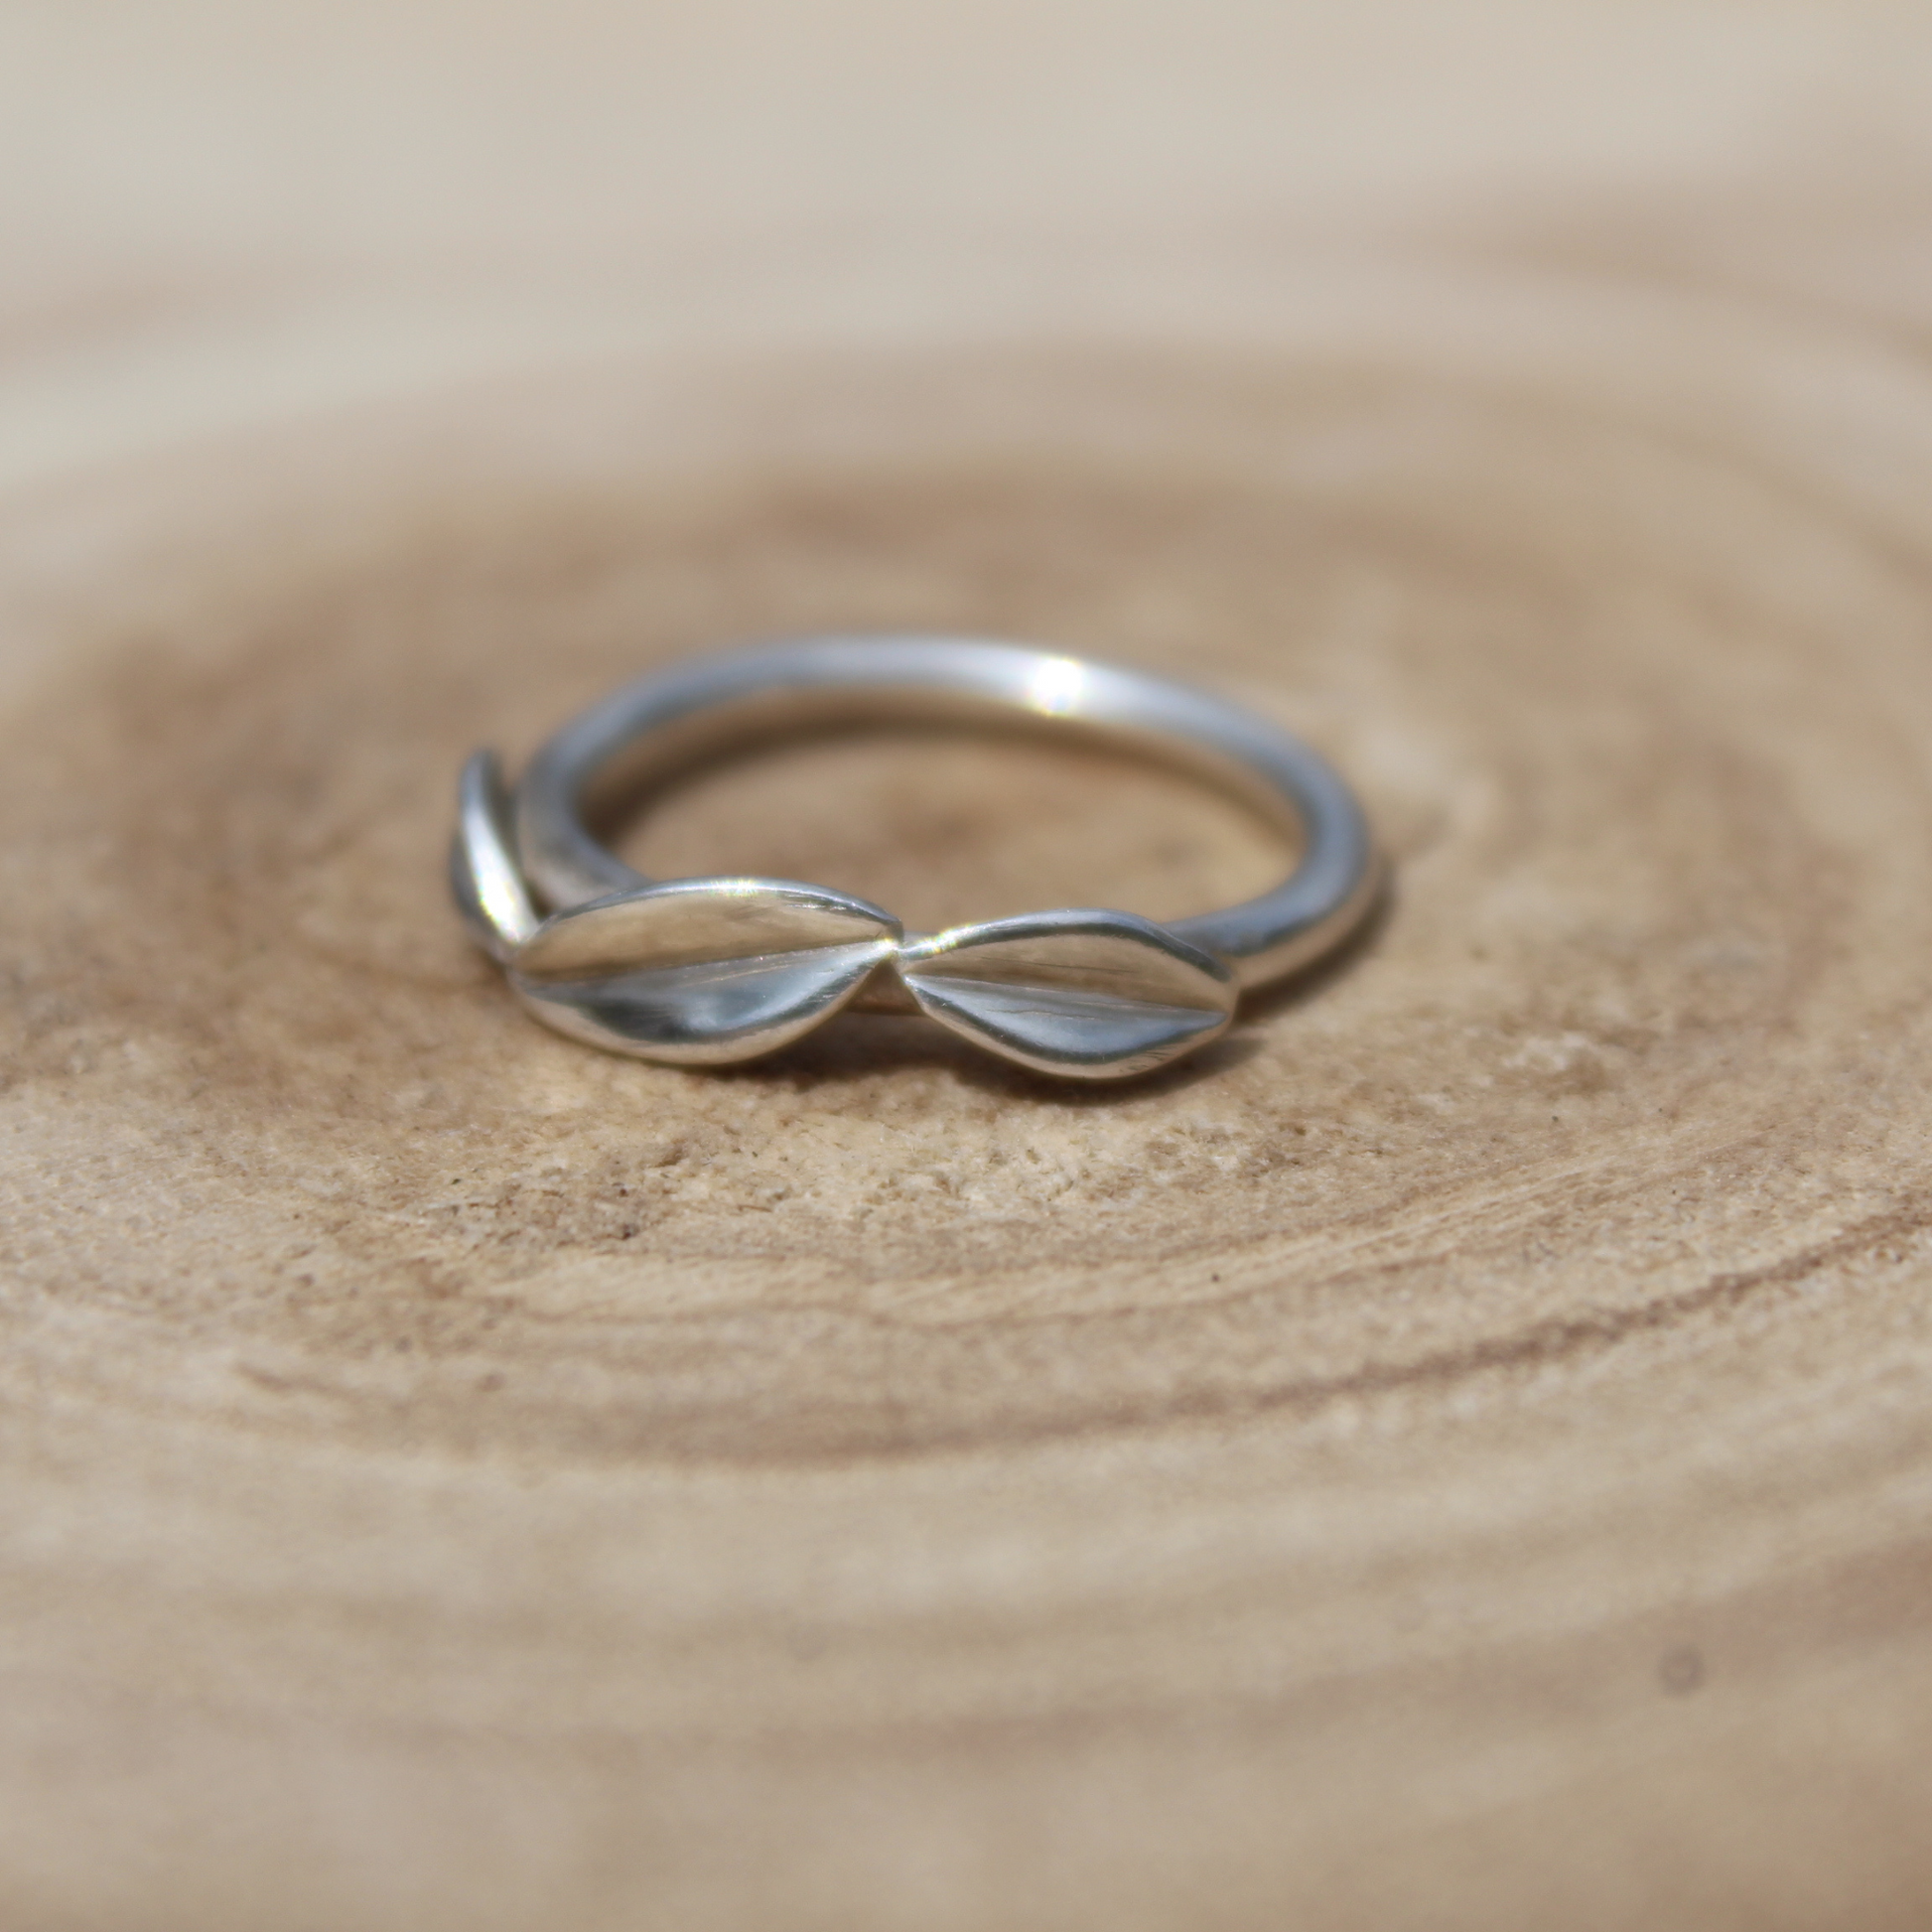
1457, 1454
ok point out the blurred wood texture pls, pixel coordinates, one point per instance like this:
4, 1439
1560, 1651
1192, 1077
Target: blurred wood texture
1460, 1457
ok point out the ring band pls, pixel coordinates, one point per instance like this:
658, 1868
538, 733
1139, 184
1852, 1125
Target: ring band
713, 971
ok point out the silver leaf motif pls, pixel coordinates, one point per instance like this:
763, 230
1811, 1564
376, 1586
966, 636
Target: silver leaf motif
701, 972
1090, 995
484, 873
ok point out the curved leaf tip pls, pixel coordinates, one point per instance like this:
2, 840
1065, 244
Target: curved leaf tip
485, 876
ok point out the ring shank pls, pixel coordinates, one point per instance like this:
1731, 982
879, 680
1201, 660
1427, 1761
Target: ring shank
668, 721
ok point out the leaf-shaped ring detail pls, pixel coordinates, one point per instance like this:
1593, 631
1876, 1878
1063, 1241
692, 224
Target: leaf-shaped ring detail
1092, 995
701, 972
710, 971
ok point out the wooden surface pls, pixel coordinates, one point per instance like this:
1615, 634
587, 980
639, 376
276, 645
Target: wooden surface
1459, 1455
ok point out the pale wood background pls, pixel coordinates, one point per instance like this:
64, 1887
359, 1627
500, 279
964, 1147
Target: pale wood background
1460, 1457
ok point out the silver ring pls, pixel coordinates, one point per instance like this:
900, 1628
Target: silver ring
705, 972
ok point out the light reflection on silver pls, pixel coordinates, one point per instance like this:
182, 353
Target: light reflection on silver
701, 972
1055, 689
1092, 995
708, 971
484, 873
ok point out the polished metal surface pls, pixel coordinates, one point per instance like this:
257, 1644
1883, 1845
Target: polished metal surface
484, 875
702, 971
1079, 992
707, 971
